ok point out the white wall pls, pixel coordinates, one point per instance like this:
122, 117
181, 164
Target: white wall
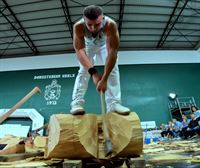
125, 58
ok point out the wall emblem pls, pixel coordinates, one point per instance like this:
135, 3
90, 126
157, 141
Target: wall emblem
52, 92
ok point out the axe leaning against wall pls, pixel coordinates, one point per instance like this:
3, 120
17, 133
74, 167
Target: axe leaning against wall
19, 103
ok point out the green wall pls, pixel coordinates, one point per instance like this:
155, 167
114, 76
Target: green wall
145, 89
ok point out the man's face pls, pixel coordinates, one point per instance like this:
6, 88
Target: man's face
94, 25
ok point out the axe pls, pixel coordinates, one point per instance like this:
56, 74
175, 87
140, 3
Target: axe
21, 102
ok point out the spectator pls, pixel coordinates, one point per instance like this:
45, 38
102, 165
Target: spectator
164, 130
196, 111
177, 125
185, 122
193, 127
184, 126
170, 133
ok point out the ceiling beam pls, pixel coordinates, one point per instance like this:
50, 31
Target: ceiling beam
67, 16
16, 25
121, 14
171, 22
197, 46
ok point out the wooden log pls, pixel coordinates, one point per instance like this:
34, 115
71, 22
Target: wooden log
72, 163
79, 137
19, 156
12, 145
72, 137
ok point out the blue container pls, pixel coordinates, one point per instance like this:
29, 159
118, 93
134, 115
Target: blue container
147, 140
155, 139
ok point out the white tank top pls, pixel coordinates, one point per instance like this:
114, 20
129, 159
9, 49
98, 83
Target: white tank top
100, 38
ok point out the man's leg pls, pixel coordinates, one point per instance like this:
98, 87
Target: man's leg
80, 87
113, 92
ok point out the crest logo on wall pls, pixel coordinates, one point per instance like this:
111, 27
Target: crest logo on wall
52, 92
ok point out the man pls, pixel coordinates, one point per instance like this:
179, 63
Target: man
96, 35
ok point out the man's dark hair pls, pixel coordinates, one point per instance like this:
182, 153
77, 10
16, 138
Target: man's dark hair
92, 12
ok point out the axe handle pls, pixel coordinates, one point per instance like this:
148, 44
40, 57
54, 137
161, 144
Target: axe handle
104, 122
102, 104
21, 102
108, 143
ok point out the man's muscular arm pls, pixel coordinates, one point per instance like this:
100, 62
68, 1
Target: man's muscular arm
79, 46
112, 47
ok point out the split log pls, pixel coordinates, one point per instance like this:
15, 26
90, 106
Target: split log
72, 137
79, 137
125, 133
11, 145
39, 143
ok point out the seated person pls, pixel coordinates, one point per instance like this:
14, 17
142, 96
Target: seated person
193, 127
170, 133
184, 125
164, 130
185, 121
197, 128
177, 125
196, 111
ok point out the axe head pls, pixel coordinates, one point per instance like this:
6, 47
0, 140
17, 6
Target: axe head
108, 147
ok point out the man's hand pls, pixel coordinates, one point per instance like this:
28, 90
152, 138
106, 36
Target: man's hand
100, 83
102, 86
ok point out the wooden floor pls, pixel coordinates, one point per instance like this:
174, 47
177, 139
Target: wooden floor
169, 153
173, 152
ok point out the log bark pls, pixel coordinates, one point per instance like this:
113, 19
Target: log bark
79, 137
